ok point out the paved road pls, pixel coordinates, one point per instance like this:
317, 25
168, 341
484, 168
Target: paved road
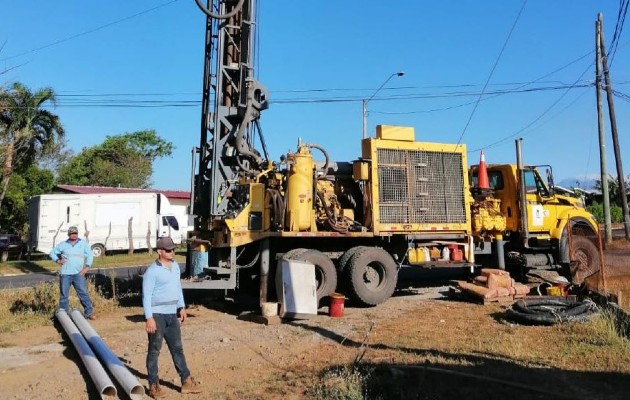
30, 280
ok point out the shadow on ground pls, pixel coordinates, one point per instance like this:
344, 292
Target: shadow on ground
472, 376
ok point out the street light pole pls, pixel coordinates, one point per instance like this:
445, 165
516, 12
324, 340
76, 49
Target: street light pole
365, 102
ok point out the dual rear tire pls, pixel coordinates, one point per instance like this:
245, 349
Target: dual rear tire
325, 272
369, 274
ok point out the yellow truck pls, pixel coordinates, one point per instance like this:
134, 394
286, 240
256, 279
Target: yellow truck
402, 203
551, 231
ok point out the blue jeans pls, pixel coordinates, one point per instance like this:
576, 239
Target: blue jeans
167, 328
80, 285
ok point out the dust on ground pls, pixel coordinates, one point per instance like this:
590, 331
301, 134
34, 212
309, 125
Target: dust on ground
411, 347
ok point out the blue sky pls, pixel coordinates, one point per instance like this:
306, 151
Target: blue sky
119, 52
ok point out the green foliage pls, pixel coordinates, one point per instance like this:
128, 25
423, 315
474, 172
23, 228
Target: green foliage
31, 182
616, 214
123, 160
613, 189
27, 130
146, 143
597, 209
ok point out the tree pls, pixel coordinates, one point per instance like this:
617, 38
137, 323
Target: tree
122, 160
31, 182
613, 188
27, 130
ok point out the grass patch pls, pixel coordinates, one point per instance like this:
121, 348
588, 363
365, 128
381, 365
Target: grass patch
610, 327
495, 349
340, 383
26, 308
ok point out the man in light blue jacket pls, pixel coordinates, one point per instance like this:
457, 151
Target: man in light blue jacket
164, 310
75, 257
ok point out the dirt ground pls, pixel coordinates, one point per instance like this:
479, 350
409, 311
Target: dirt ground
413, 346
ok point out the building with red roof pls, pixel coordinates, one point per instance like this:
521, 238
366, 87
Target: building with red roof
175, 197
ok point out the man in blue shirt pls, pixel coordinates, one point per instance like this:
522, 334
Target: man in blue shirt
164, 310
75, 257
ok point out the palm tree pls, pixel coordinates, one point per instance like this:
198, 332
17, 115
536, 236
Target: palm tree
27, 131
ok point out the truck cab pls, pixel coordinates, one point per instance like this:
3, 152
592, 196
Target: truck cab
544, 238
547, 212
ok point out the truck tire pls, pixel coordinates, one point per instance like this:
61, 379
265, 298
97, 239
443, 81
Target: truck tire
342, 265
291, 254
4, 256
345, 258
585, 260
98, 250
325, 272
371, 275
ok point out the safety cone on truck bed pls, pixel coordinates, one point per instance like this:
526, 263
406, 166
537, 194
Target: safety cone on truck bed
482, 173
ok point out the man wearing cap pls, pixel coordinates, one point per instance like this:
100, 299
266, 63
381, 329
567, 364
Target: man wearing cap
75, 257
164, 310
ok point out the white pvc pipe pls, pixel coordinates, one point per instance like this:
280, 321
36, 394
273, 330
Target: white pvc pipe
132, 387
101, 380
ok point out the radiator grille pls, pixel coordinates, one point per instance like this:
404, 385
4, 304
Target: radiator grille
421, 187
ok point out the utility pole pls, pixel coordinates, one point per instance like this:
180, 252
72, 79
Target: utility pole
602, 136
615, 137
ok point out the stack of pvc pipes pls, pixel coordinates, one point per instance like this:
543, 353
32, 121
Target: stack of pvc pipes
86, 341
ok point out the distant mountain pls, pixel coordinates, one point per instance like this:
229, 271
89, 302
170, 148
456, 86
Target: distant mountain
583, 182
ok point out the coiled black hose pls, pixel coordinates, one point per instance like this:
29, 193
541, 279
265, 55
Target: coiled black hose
546, 310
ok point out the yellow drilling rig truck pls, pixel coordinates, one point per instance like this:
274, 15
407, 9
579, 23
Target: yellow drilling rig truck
402, 203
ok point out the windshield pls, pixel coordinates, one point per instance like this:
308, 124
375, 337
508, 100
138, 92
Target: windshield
171, 221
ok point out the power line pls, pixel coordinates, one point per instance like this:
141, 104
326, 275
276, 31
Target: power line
472, 113
621, 18
540, 116
622, 96
521, 85
119, 100
87, 32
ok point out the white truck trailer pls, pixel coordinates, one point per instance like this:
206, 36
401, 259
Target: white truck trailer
110, 218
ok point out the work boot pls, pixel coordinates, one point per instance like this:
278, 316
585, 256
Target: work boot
191, 385
91, 317
155, 391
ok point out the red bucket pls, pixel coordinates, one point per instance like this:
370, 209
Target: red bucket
337, 301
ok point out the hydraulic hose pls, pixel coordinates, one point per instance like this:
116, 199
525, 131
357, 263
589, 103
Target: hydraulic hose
210, 14
547, 310
324, 152
332, 222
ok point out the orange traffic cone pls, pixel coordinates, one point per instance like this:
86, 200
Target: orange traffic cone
482, 173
